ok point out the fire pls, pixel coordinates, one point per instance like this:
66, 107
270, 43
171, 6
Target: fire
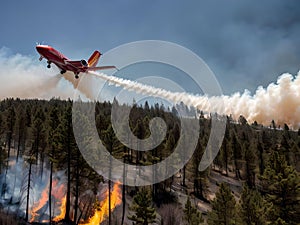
57, 193
42, 202
62, 210
102, 213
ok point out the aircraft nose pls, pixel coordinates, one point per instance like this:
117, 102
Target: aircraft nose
41, 48
38, 48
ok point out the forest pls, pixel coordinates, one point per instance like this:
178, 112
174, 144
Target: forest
44, 179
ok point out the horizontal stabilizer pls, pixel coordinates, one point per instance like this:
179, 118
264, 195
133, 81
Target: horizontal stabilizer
101, 68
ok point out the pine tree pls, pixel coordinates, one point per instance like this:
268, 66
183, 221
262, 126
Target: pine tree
169, 146
200, 177
112, 146
53, 123
30, 161
225, 152
261, 161
2, 158
20, 129
10, 121
281, 183
38, 133
250, 160
142, 206
68, 144
223, 207
242, 120
191, 215
237, 154
141, 132
253, 208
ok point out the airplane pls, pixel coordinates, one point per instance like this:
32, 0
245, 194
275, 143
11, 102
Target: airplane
65, 64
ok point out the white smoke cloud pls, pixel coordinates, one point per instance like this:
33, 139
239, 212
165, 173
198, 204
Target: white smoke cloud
279, 101
22, 77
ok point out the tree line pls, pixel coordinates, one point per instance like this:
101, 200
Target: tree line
264, 159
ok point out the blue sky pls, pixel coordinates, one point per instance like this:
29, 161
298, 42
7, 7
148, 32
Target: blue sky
246, 44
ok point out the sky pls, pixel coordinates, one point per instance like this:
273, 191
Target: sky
245, 43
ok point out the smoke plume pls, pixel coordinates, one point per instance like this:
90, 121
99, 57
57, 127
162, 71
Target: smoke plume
279, 101
21, 77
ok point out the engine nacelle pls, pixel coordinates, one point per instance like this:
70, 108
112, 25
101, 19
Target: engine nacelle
84, 63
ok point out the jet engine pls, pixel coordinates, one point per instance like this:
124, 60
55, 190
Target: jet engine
84, 63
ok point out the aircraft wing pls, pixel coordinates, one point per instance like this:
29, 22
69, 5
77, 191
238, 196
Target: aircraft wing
101, 68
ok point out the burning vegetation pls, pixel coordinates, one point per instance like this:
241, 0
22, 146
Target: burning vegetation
100, 209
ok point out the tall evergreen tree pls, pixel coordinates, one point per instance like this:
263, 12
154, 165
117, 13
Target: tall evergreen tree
191, 215
68, 143
200, 177
53, 134
10, 121
253, 208
20, 129
281, 183
111, 145
237, 154
38, 133
223, 207
261, 163
144, 213
30, 161
224, 155
250, 160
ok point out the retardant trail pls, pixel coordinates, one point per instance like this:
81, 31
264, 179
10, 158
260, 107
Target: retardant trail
279, 101
175, 97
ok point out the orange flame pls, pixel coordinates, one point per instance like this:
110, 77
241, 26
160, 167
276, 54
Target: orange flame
101, 214
38, 205
58, 193
62, 210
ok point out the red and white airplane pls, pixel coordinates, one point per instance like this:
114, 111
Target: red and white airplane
65, 64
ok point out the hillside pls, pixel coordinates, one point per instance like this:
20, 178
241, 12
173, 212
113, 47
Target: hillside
253, 180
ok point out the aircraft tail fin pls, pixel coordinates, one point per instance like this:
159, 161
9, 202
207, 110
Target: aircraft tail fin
93, 60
